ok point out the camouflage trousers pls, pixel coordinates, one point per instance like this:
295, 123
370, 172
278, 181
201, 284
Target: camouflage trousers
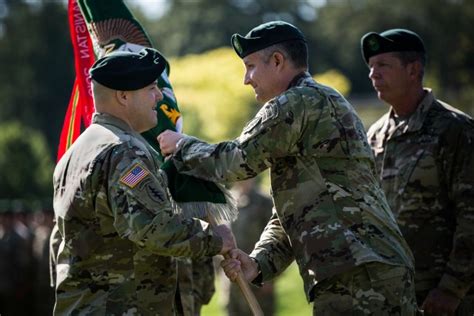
466, 307
195, 283
370, 289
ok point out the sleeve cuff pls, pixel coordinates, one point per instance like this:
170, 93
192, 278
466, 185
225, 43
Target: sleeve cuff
454, 285
180, 144
215, 243
215, 246
266, 268
258, 280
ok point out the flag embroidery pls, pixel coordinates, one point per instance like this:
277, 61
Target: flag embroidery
134, 176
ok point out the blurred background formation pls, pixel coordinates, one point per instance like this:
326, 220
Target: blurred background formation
37, 74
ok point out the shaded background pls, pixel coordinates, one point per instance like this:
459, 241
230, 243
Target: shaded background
36, 63
36, 77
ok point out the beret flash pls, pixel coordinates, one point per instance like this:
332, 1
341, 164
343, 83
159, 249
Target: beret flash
394, 40
265, 35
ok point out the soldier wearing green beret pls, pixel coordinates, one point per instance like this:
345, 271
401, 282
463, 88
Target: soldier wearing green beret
113, 27
425, 160
331, 214
119, 230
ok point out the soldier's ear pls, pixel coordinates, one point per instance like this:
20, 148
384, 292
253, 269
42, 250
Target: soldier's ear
122, 97
414, 69
278, 58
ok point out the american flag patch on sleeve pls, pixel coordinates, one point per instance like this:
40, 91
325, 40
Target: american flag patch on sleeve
133, 177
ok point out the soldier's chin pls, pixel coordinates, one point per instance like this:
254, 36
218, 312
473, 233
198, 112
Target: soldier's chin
382, 96
260, 98
153, 122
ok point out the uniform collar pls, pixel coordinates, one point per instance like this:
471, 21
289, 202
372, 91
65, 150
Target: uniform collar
299, 79
415, 120
107, 119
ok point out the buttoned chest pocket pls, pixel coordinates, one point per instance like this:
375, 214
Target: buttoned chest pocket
414, 167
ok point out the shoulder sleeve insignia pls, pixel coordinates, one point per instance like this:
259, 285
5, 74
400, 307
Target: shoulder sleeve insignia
134, 175
283, 99
269, 111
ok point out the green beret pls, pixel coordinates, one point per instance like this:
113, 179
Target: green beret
394, 40
126, 71
265, 35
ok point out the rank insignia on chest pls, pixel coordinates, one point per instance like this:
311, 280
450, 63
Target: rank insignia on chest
134, 175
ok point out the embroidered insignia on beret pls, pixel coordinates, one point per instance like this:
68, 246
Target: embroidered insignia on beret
373, 44
265, 35
236, 44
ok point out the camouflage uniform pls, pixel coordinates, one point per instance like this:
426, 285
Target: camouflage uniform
426, 165
113, 27
203, 282
331, 214
185, 285
255, 210
119, 230
370, 289
196, 283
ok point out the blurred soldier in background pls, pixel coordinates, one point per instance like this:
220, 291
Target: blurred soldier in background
255, 209
41, 225
17, 274
424, 152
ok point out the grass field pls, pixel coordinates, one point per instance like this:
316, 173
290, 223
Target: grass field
290, 297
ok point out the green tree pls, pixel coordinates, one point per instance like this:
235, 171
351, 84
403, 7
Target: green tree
191, 27
25, 163
210, 90
213, 99
335, 79
445, 26
36, 61
333, 29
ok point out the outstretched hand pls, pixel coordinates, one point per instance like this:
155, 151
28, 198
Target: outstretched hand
238, 261
168, 140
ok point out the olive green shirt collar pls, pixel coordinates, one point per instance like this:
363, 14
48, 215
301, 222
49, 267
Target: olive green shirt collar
298, 79
414, 121
108, 119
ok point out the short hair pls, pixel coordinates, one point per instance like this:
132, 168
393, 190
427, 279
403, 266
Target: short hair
294, 50
412, 56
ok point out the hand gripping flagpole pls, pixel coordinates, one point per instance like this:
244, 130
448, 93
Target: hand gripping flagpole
242, 283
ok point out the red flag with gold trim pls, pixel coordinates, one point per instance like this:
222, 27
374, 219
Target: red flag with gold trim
81, 105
